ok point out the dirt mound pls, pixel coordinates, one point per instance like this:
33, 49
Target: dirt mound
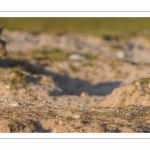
127, 95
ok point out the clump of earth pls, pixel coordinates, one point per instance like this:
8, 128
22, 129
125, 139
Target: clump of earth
71, 82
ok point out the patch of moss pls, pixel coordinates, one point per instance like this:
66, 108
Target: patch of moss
115, 47
74, 69
89, 56
19, 79
54, 54
145, 80
108, 37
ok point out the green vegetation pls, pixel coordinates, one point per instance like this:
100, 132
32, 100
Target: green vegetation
89, 56
143, 80
18, 79
110, 37
74, 69
115, 47
15, 78
54, 54
98, 26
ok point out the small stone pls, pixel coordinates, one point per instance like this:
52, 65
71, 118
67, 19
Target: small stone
134, 126
7, 86
117, 111
129, 114
14, 104
120, 55
80, 108
140, 106
138, 85
78, 116
84, 94
41, 103
77, 57
112, 109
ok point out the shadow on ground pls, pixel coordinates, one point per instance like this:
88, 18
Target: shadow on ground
28, 126
68, 85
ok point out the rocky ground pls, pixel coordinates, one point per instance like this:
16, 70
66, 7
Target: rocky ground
71, 82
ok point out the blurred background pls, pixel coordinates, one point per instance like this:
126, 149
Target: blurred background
97, 26
82, 57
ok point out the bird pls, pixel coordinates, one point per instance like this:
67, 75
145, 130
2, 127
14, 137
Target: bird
3, 51
1, 29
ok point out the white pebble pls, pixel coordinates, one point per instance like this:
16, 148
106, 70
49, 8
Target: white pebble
76, 57
7, 86
120, 55
78, 116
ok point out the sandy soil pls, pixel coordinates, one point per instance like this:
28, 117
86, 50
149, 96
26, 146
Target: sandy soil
96, 88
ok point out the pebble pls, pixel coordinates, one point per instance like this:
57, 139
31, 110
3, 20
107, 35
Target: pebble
140, 106
77, 57
134, 126
84, 94
117, 111
138, 85
7, 86
14, 103
80, 108
112, 109
120, 55
129, 114
78, 116
41, 103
